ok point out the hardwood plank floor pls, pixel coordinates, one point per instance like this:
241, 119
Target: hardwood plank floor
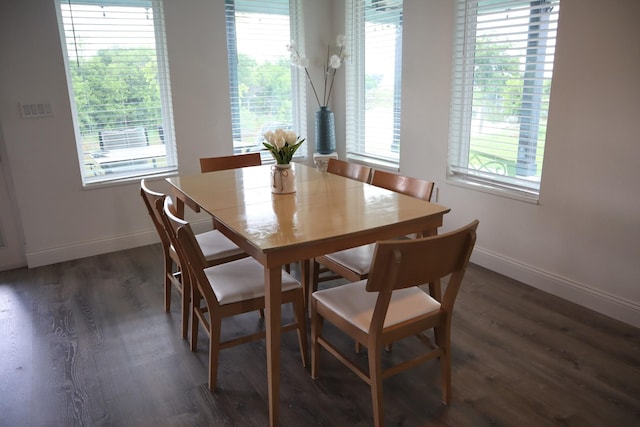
87, 343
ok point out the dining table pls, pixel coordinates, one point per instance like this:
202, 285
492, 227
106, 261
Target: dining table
326, 213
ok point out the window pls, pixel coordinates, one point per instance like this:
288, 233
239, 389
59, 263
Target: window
118, 76
503, 65
373, 78
264, 87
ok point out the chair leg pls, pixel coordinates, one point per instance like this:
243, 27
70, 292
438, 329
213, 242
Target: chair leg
300, 315
314, 279
316, 332
375, 374
168, 272
195, 322
445, 365
186, 300
443, 339
215, 324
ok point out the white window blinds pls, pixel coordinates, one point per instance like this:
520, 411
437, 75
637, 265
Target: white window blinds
373, 80
264, 88
116, 64
503, 64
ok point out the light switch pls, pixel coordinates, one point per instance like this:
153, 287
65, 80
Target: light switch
35, 110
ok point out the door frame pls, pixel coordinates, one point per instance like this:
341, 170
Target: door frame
12, 248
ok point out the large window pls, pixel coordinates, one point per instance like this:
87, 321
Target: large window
373, 78
264, 87
504, 51
116, 64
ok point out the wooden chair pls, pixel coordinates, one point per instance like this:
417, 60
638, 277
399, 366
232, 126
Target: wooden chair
349, 170
390, 306
210, 164
227, 290
216, 247
311, 274
353, 264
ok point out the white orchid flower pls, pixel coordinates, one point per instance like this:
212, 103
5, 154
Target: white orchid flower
335, 61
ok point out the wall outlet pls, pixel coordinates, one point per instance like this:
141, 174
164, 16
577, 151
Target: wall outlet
35, 110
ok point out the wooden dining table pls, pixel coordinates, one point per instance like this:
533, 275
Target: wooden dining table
327, 213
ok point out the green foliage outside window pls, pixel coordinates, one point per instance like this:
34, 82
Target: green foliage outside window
116, 88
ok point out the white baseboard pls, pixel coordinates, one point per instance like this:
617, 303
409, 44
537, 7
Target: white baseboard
90, 248
102, 246
578, 293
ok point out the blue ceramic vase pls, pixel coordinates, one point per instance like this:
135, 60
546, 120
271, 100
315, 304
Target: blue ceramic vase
325, 131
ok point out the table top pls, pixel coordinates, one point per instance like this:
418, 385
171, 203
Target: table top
326, 207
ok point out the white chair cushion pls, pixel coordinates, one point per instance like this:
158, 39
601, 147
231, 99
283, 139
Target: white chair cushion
356, 259
242, 280
216, 245
353, 303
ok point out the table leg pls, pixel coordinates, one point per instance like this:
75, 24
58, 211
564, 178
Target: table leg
305, 273
273, 314
179, 207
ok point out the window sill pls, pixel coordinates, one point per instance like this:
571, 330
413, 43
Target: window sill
508, 193
126, 180
387, 165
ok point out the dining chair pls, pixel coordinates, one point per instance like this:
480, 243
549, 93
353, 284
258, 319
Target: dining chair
353, 264
310, 274
219, 163
211, 164
390, 306
349, 170
215, 246
227, 290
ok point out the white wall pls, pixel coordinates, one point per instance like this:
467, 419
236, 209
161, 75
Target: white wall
580, 242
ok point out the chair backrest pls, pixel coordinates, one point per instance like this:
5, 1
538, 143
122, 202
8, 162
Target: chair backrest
153, 200
413, 187
189, 252
211, 164
399, 264
173, 223
349, 170
123, 138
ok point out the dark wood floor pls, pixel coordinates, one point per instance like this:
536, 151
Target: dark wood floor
87, 343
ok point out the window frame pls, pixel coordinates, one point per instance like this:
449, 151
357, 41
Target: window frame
133, 167
462, 108
298, 83
356, 90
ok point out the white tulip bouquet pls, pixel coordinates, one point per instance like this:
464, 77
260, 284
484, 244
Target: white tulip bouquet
282, 145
